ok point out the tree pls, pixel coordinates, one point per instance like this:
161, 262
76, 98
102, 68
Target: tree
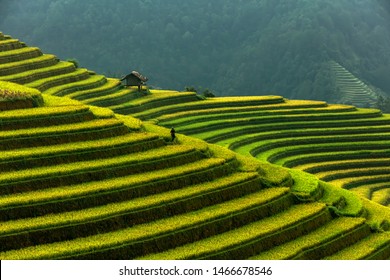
383, 104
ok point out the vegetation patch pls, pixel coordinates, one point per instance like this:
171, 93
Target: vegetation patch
306, 186
342, 202
14, 96
54, 101
130, 122
378, 216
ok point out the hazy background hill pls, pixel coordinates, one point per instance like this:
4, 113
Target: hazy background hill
232, 47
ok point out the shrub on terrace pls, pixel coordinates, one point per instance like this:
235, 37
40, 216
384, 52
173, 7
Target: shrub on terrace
190, 88
74, 61
208, 93
205, 93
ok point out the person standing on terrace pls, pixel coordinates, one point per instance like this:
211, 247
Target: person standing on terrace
173, 135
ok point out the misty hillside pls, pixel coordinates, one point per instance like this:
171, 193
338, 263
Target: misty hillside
231, 47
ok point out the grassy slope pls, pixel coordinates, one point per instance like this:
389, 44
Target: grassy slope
312, 195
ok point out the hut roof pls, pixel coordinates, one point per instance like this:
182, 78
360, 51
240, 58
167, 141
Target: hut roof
137, 75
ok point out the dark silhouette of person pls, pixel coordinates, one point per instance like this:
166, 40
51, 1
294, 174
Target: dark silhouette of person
173, 134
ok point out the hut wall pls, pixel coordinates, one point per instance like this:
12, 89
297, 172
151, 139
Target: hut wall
132, 81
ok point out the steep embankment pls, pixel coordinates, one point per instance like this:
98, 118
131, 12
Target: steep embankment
79, 182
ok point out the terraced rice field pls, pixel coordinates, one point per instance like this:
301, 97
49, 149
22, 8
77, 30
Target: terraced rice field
81, 182
352, 90
341, 144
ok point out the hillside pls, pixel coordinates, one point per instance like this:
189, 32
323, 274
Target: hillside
231, 47
351, 90
86, 182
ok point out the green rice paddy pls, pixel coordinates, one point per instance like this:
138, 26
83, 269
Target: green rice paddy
92, 172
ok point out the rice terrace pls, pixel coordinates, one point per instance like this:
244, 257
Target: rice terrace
89, 171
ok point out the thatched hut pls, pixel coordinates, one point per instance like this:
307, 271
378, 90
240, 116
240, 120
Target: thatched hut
135, 79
